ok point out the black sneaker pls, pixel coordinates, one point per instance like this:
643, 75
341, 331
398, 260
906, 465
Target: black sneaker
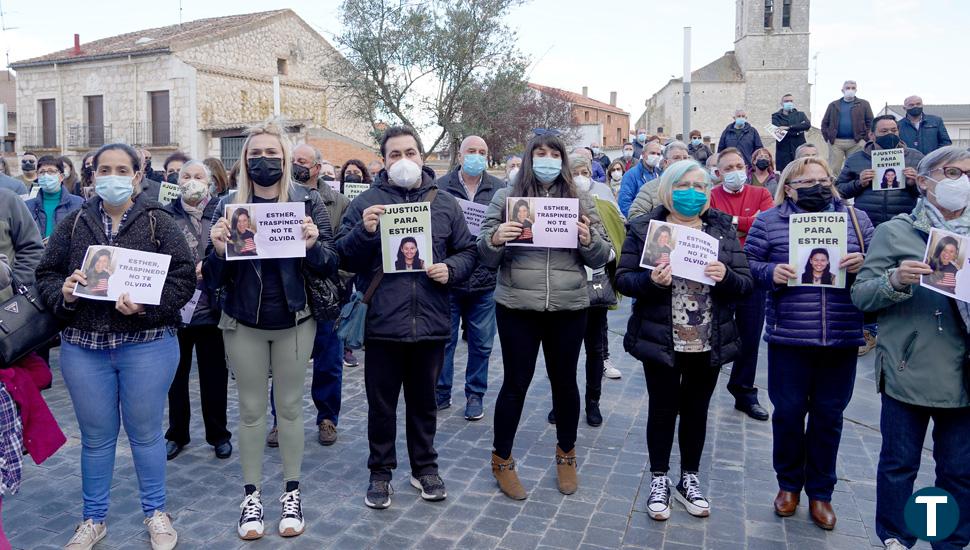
689, 494
658, 505
291, 518
379, 494
251, 519
431, 486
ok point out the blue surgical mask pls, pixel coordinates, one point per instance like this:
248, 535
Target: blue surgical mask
114, 190
740, 121
473, 165
49, 183
788, 105
696, 142
641, 137
688, 202
546, 169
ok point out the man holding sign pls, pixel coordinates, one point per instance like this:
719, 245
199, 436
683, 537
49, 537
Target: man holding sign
409, 315
473, 302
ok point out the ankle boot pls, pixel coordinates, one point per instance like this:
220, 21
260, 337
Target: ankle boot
593, 416
508, 480
566, 471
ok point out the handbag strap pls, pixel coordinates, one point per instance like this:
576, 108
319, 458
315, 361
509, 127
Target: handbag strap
858, 230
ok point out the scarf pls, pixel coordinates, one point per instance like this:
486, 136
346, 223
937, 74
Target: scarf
193, 234
927, 216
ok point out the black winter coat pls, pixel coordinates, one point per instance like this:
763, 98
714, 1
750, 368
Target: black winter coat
407, 307
147, 228
207, 309
881, 206
797, 124
649, 334
482, 278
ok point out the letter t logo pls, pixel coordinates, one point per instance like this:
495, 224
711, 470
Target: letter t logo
931, 502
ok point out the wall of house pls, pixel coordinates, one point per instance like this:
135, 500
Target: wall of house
712, 106
609, 123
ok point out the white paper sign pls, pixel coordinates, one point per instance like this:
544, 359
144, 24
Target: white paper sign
775, 132
188, 310
168, 192
34, 191
351, 190
333, 184
687, 250
888, 164
265, 230
112, 271
547, 222
948, 255
474, 215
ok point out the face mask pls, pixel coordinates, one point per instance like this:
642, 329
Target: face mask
514, 173
788, 105
49, 183
888, 141
473, 165
688, 202
114, 190
87, 172
641, 137
740, 122
172, 178
952, 195
193, 190
546, 169
405, 174
67, 172
735, 180
849, 95
616, 175
353, 178
914, 111
265, 171
762, 164
213, 190
582, 182
696, 142
328, 177
652, 161
28, 165
596, 151
148, 166
628, 153
814, 198
300, 173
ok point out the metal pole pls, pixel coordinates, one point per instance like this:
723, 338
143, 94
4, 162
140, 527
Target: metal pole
686, 128
276, 96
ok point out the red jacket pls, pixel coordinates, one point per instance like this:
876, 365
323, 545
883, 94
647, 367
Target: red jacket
42, 436
745, 204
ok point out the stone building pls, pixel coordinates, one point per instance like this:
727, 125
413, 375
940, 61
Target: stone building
193, 87
597, 122
770, 59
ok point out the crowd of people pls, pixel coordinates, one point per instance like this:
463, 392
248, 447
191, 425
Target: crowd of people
264, 320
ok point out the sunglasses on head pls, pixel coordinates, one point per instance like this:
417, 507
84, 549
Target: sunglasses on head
546, 131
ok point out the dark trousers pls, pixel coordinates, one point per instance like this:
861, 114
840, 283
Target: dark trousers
328, 372
684, 389
415, 366
213, 385
750, 317
595, 342
815, 382
560, 333
903, 428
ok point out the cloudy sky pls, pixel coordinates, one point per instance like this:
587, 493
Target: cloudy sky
892, 48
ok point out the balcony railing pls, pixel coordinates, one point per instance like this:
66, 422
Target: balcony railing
151, 134
37, 137
88, 136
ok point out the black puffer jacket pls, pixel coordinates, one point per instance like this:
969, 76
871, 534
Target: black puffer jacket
881, 206
483, 278
242, 279
148, 228
408, 307
649, 333
207, 309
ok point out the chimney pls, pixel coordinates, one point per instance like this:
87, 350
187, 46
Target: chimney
613, 99
585, 91
77, 44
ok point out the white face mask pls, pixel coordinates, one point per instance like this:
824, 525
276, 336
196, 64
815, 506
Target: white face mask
848, 94
628, 153
653, 160
582, 182
514, 173
734, 181
952, 195
405, 173
616, 175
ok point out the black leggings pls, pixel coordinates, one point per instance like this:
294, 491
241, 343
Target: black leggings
522, 332
683, 389
596, 352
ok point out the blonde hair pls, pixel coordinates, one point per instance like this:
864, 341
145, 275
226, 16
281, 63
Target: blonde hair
796, 168
274, 127
673, 174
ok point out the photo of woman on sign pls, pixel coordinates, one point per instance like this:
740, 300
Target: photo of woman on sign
660, 247
818, 268
522, 213
242, 238
98, 272
890, 180
945, 265
408, 255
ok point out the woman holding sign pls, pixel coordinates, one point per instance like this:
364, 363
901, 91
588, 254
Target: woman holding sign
813, 336
541, 300
682, 330
267, 321
118, 358
921, 366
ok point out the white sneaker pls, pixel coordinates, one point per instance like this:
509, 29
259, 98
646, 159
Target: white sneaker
658, 505
291, 519
250, 525
610, 371
160, 530
689, 494
86, 535
894, 544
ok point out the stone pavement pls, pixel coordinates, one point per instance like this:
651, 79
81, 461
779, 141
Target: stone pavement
608, 511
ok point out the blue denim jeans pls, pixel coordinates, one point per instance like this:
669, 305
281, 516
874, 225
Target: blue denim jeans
903, 428
128, 384
328, 372
478, 310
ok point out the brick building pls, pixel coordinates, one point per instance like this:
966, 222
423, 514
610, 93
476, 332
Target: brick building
193, 87
597, 122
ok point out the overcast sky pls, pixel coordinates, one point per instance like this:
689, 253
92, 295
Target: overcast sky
892, 48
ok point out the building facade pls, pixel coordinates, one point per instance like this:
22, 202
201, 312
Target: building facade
956, 119
596, 121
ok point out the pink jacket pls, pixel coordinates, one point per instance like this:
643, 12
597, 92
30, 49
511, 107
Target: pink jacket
42, 436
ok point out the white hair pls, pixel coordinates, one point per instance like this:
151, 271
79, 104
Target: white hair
191, 163
673, 146
847, 82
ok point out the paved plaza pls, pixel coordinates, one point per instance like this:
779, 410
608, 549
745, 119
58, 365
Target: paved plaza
608, 511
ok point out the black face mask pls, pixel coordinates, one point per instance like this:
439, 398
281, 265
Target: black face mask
814, 198
172, 178
87, 172
353, 178
328, 177
300, 173
265, 171
888, 141
762, 164
148, 166
28, 165
914, 111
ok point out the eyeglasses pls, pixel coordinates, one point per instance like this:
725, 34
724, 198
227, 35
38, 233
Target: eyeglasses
824, 182
51, 172
546, 131
952, 172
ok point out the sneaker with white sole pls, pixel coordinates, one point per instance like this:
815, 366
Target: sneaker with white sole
86, 535
658, 505
161, 532
689, 494
432, 487
378, 494
250, 525
611, 371
291, 518
894, 544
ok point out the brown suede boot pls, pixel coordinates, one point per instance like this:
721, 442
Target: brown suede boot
566, 471
508, 480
